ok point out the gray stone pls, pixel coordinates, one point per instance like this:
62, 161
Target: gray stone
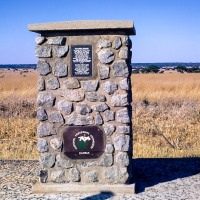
55, 117
58, 176
104, 43
73, 175
60, 51
123, 129
109, 87
63, 163
42, 145
86, 164
109, 149
124, 84
72, 83
43, 51
123, 53
39, 39
60, 69
56, 40
45, 129
65, 107
109, 115
74, 95
108, 129
120, 69
56, 144
122, 116
43, 176
98, 119
40, 84
47, 160
119, 100
104, 71
125, 40
106, 160
92, 176
116, 175
79, 120
117, 43
100, 107
95, 96
106, 56
121, 142
82, 108
89, 86
45, 98
41, 114
122, 159
43, 68
52, 83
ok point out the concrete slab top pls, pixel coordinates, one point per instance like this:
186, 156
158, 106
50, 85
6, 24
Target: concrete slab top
127, 26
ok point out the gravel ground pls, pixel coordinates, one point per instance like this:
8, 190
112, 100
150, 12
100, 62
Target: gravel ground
154, 179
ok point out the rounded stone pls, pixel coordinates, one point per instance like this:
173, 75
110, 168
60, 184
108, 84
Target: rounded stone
106, 56
56, 143
95, 96
43, 51
43, 175
109, 87
121, 142
109, 115
60, 51
60, 69
52, 83
41, 114
56, 117
47, 160
40, 84
124, 84
73, 175
117, 43
122, 159
65, 107
82, 108
45, 98
119, 100
122, 116
42, 145
125, 40
104, 43
43, 68
45, 129
63, 163
108, 129
92, 176
104, 71
56, 40
72, 83
120, 69
73, 95
100, 107
106, 160
98, 119
109, 149
123, 129
89, 86
39, 39
123, 53
58, 176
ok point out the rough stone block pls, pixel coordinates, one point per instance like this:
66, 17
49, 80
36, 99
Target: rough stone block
72, 83
73, 175
123, 53
56, 144
56, 40
63, 163
106, 56
100, 107
124, 84
43, 175
117, 43
60, 69
104, 71
92, 176
47, 160
121, 142
55, 117
120, 69
45, 129
108, 129
73, 95
42, 145
125, 40
43, 68
122, 116
40, 84
98, 119
95, 96
119, 100
65, 107
43, 51
45, 98
109, 115
106, 160
41, 114
123, 129
109, 87
82, 108
109, 149
52, 83
104, 43
58, 176
122, 159
60, 51
89, 86
40, 39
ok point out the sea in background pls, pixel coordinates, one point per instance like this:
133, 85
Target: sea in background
134, 65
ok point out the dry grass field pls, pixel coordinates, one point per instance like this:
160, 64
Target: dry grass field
166, 115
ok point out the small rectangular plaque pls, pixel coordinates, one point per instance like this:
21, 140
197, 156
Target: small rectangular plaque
85, 142
81, 60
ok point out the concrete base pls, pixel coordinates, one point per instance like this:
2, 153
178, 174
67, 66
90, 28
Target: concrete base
117, 189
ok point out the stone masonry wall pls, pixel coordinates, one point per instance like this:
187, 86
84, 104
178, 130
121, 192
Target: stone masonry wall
102, 100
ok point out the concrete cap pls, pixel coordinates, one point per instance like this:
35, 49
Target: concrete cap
111, 25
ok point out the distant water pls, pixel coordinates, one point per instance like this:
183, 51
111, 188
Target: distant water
18, 66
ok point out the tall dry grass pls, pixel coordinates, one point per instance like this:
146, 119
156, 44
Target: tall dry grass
166, 115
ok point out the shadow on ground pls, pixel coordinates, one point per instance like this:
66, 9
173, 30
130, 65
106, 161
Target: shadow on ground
152, 171
103, 196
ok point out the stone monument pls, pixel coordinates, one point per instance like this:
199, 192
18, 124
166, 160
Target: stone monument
84, 106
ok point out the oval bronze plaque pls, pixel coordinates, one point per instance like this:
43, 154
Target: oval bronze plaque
83, 142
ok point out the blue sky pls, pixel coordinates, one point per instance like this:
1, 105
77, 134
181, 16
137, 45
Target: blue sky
167, 30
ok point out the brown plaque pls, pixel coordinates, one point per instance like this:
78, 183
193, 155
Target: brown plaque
83, 142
